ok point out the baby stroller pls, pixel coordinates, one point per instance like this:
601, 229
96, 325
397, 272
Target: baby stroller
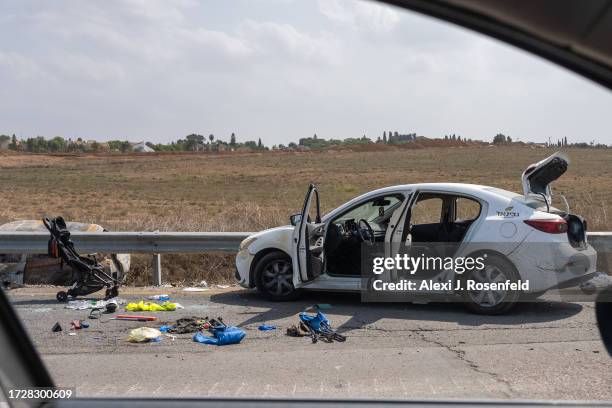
91, 276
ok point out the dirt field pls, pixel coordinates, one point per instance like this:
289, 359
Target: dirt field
249, 192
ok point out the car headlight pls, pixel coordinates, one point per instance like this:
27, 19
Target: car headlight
244, 244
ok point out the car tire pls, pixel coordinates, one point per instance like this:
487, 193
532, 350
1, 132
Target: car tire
489, 302
274, 277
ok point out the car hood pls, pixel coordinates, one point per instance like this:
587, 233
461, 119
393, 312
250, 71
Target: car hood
273, 231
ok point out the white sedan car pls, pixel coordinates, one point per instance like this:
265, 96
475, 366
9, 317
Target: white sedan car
526, 239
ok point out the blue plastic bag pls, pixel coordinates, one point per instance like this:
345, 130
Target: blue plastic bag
222, 336
265, 327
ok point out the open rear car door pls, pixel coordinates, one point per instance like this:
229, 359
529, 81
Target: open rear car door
308, 237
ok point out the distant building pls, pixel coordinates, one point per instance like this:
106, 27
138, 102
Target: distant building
141, 147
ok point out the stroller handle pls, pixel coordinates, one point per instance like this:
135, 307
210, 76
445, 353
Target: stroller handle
47, 223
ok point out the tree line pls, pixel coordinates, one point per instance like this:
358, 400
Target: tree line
196, 142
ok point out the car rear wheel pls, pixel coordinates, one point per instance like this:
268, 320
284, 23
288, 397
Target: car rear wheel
491, 301
275, 277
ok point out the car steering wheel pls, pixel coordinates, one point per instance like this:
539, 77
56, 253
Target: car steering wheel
364, 225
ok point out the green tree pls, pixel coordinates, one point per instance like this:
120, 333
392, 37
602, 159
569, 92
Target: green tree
233, 140
57, 144
193, 140
499, 138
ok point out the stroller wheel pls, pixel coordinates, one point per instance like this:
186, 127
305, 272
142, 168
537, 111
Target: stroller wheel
61, 296
112, 292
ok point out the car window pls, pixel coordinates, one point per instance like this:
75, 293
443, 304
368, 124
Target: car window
467, 209
380, 207
427, 211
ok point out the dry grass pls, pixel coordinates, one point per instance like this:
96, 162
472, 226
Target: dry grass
249, 192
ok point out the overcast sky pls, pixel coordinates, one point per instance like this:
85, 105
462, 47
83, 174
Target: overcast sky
157, 70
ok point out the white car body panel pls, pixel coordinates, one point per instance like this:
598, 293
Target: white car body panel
501, 221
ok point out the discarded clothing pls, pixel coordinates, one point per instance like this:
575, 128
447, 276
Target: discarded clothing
319, 328
223, 335
143, 306
189, 325
298, 330
144, 335
265, 327
79, 324
93, 304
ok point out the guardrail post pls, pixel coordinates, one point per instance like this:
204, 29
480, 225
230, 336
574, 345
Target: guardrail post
157, 279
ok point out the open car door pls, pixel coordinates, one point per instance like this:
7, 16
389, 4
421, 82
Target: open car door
537, 177
308, 237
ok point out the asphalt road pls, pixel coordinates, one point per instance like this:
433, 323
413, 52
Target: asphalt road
545, 350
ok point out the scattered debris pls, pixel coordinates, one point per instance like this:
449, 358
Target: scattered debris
317, 326
159, 297
188, 325
202, 284
143, 306
195, 289
56, 328
79, 324
223, 334
95, 313
134, 318
223, 286
72, 334
93, 304
144, 335
298, 330
265, 327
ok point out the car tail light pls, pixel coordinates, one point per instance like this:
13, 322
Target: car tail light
558, 226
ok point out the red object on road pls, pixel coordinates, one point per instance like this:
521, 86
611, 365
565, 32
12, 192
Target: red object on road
136, 317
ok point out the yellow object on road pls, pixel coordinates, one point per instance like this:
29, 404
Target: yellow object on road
143, 306
144, 334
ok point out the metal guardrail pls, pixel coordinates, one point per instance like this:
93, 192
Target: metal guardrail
126, 242
157, 243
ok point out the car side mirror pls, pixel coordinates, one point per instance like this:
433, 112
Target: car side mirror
295, 219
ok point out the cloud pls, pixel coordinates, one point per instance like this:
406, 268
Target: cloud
282, 40
363, 15
159, 69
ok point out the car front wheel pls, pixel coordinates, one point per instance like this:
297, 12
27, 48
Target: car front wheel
274, 274
491, 301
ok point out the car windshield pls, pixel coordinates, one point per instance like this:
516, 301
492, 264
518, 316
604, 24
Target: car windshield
372, 209
160, 236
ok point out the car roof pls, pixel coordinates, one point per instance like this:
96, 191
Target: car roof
486, 193
465, 188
